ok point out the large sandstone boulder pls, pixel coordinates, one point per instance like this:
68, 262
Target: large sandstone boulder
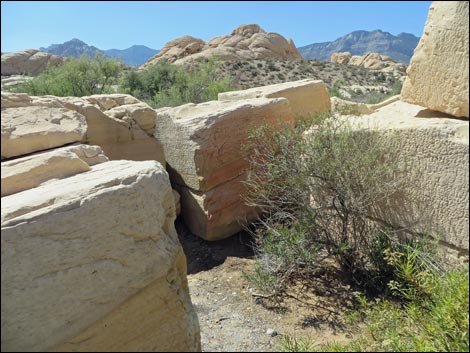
206, 157
120, 124
92, 262
245, 42
31, 171
29, 62
435, 198
306, 97
34, 128
438, 72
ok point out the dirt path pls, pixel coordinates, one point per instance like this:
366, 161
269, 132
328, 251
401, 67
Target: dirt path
234, 319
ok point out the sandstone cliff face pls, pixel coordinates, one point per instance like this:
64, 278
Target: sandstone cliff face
437, 77
29, 62
245, 42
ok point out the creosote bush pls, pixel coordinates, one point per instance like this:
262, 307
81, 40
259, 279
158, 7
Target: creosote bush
318, 185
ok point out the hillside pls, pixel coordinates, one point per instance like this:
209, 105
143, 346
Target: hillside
399, 47
133, 56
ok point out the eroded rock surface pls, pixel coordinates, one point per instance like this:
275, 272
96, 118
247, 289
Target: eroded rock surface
437, 77
245, 42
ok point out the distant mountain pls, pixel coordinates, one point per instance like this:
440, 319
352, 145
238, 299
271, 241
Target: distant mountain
133, 56
74, 48
399, 47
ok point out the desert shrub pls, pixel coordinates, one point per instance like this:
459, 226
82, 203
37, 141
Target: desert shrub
165, 84
317, 190
76, 77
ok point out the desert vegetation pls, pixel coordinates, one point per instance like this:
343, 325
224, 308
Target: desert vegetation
319, 185
166, 84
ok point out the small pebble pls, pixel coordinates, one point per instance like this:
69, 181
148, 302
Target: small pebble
271, 332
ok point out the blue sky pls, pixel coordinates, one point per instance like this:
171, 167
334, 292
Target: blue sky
120, 24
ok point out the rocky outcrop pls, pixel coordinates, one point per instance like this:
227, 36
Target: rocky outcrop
340, 58
306, 97
437, 77
245, 42
120, 124
434, 147
205, 148
373, 61
28, 62
92, 262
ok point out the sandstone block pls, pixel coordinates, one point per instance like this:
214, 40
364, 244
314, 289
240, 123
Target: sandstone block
92, 262
306, 97
204, 146
33, 128
437, 77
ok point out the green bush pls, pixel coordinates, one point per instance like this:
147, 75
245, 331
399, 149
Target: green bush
76, 77
165, 84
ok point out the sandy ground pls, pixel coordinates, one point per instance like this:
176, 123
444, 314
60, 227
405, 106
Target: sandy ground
235, 317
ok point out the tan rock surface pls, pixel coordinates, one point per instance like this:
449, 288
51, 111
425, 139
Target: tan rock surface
306, 97
92, 262
33, 128
204, 147
436, 197
31, 61
437, 77
245, 42
29, 172
119, 123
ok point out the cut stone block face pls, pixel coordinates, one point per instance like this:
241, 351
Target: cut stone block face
205, 148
